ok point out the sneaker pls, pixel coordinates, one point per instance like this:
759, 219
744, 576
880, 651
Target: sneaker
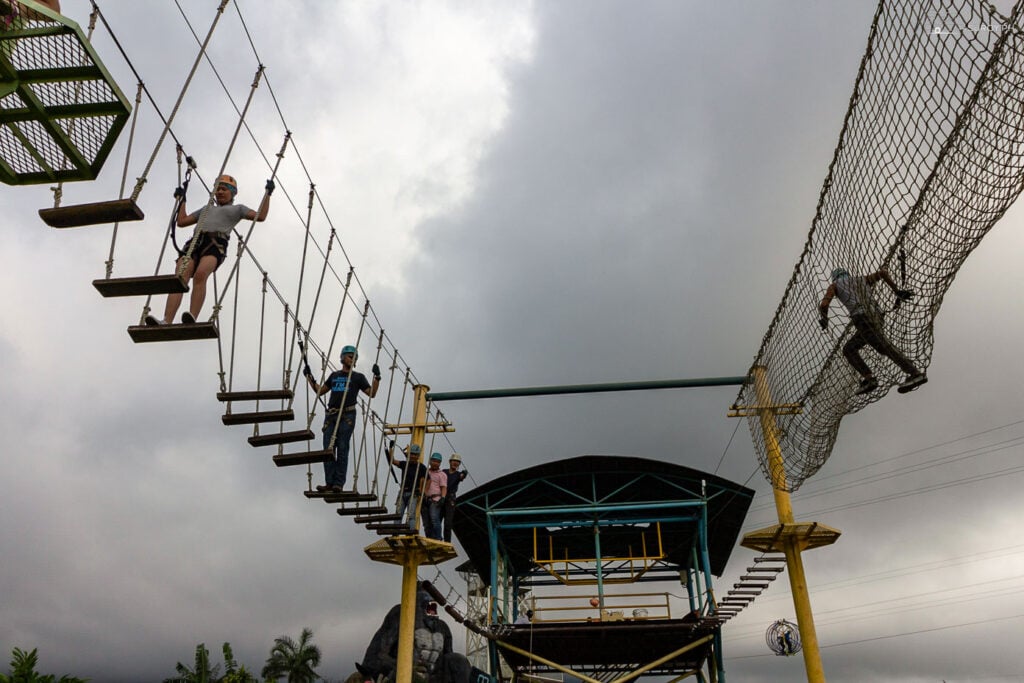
912, 382
337, 489
187, 319
867, 385
152, 321
321, 489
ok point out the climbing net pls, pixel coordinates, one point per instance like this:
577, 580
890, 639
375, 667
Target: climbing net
930, 156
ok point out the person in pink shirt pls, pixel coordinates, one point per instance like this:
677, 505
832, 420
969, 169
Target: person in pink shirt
437, 489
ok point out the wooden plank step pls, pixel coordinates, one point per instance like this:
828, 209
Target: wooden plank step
370, 519
342, 497
355, 511
147, 285
391, 529
77, 215
302, 458
257, 395
350, 497
161, 333
280, 438
258, 417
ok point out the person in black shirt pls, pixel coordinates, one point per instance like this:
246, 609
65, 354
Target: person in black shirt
414, 473
455, 476
344, 385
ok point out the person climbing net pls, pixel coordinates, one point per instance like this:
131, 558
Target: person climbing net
854, 291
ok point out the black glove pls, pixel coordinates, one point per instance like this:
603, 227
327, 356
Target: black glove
376, 371
904, 294
307, 372
391, 444
179, 192
270, 186
823, 321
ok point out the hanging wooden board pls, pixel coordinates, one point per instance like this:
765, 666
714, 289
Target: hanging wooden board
161, 333
147, 285
96, 213
280, 438
258, 417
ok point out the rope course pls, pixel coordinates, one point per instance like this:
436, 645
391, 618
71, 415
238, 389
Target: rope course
340, 310
931, 155
60, 110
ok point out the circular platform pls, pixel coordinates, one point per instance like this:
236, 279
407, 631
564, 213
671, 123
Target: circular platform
397, 549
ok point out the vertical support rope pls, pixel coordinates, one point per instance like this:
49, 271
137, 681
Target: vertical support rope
177, 105
109, 263
289, 350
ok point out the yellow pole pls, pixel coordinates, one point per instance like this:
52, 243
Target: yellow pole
791, 546
419, 437
411, 559
407, 622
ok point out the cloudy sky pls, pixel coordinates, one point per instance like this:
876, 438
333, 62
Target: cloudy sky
531, 193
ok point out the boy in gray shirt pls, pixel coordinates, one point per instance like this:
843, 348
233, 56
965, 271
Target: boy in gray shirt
211, 236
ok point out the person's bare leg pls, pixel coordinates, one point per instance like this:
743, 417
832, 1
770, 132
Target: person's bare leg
174, 300
207, 265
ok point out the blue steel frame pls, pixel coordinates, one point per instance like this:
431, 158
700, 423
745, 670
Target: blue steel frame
698, 582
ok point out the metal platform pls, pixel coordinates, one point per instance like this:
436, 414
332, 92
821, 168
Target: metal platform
60, 110
610, 646
395, 549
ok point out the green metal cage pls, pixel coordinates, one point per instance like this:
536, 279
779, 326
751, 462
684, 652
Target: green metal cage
60, 110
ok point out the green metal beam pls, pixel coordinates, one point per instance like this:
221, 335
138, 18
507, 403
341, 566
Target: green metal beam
586, 388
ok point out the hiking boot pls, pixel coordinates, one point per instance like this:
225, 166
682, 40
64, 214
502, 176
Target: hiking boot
152, 321
187, 318
322, 489
867, 385
912, 382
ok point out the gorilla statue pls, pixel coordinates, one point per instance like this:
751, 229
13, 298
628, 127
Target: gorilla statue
434, 661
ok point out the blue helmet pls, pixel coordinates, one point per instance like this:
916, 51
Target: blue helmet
436, 457
840, 272
350, 349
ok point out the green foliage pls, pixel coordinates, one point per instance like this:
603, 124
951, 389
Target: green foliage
233, 673
200, 673
203, 672
293, 661
23, 670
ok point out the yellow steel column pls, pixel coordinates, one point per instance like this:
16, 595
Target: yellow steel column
409, 550
419, 437
791, 543
411, 561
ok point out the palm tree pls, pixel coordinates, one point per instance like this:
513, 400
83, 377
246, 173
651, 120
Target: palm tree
233, 673
201, 673
294, 661
23, 670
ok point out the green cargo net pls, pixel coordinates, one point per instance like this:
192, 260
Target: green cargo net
930, 156
60, 111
